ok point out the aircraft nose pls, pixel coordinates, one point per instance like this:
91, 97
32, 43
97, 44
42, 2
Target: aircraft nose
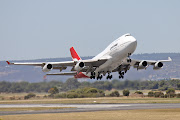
133, 40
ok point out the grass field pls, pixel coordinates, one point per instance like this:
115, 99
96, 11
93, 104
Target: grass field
94, 100
153, 114
7, 96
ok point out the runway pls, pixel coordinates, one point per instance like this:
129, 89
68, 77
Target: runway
83, 107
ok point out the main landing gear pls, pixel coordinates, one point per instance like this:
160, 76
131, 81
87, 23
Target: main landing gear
92, 75
109, 76
99, 77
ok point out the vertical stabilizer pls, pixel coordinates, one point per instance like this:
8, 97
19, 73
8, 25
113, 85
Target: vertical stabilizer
74, 54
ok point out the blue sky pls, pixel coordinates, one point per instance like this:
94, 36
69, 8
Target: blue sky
33, 29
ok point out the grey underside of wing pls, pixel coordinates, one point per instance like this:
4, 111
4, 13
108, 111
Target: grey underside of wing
91, 65
66, 73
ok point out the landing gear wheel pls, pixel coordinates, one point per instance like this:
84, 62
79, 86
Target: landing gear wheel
129, 60
92, 75
109, 77
99, 77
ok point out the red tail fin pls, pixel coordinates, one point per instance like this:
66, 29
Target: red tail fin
74, 54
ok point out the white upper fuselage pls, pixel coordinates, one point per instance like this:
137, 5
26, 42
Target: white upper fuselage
116, 52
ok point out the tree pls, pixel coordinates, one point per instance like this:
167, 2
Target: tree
107, 85
178, 86
170, 90
162, 83
71, 83
53, 90
126, 92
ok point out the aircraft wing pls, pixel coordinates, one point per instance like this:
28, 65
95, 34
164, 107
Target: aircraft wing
64, 65
125, 66
149, 62
31, 64
66, 73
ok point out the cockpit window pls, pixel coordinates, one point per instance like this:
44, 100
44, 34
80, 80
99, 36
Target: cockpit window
128, 34
113, 46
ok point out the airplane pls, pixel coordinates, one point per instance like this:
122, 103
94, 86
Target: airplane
115, 58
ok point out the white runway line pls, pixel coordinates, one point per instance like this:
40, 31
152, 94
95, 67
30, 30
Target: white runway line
64, 105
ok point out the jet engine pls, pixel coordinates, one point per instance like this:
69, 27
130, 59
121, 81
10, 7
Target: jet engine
79, 66
47, 68
158, 65
142, 65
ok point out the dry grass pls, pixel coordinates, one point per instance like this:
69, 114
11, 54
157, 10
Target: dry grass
156, 114
32, 108
17, 96
91, 100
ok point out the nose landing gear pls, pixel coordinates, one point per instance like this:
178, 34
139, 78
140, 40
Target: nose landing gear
121, 75
129, 59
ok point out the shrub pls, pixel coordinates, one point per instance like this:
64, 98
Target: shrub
30, 95
126, 92
165, 96
12, 98
172, 94
139, 92
170, 90
61, 95
151, 94
115, 94
178, 95
92, 90
45, 96
72, 95
158, 94
81, 93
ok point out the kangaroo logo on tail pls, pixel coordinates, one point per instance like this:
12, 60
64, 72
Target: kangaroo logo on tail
74, 54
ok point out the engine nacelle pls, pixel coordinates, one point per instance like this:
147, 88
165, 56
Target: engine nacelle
158, 65
142, 65
47, 68
79, 66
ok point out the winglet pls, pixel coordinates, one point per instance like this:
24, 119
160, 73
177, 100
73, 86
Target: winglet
169, 59
8, 62
74, 55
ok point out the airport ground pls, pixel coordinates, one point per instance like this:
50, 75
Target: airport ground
123, 108
150, 114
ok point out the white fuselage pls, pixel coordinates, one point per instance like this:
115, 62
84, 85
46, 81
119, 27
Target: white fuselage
116, 52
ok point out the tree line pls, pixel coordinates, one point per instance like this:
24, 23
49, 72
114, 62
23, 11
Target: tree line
71, 84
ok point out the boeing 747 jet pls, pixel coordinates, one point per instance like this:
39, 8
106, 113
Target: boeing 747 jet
115, 58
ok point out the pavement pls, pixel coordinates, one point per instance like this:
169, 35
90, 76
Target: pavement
84, 107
